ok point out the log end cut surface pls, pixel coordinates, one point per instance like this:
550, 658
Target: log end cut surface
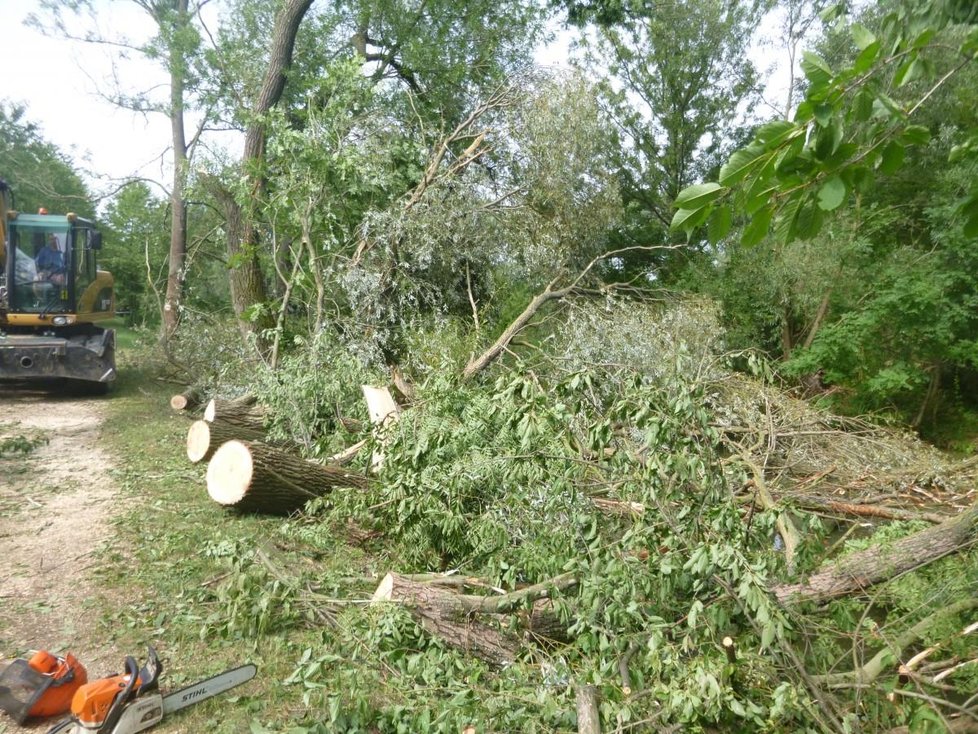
229, 474
198, 441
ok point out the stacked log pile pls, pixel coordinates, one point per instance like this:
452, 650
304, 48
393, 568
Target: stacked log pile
249, 474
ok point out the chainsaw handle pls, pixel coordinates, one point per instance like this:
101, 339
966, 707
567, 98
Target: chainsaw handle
122, 698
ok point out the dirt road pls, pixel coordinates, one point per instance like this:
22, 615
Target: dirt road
56, 507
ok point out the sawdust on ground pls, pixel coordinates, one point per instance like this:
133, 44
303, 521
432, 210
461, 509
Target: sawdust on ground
56, 508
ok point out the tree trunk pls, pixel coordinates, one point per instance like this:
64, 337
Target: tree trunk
588, 720
204, 438
247, 284
879, 563
253, 477
236, 413
178, 205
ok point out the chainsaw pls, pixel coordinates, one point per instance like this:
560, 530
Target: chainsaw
131, 702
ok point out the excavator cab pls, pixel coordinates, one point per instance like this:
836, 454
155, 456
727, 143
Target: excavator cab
52, 297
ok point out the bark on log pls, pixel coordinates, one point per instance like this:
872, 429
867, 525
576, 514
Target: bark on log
878, 563
452, 616
440, 613
588, 720
204, 438
236, 413
187, 400
252, 477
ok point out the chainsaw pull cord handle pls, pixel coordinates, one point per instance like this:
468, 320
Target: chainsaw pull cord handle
122, 698
149, 676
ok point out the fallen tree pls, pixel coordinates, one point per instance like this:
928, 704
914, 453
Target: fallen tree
252, 477
878, 563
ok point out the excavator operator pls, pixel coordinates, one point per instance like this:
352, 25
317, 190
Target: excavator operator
50, 262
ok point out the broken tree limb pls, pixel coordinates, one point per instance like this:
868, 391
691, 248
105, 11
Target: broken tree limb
875, 666
236, 413
438, 611
588, 720
384, 412
864, 510
204, 438
789, 533
455, 619
878, 563
403, 386
889, 656
346, 455
252, 477
187, 400
549, 293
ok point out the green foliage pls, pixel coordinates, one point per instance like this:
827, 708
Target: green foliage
674, 81
19, 444
315, 381
136, 234
918, 323
856, 120
39, 174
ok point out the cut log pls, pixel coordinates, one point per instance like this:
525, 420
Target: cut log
204, 438
252, 477
187, 400
236, 413
878, 563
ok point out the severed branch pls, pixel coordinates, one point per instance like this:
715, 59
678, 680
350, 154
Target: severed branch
789, 533
878, 563
550, 293
875, 666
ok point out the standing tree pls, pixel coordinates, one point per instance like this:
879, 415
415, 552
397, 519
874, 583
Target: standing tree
679, 76
175, 46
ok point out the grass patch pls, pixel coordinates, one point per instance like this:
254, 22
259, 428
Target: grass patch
179, 569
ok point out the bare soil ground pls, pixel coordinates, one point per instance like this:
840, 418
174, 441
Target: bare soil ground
56, 507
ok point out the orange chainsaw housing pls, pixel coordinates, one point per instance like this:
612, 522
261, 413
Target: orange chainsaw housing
66, 676
91, 703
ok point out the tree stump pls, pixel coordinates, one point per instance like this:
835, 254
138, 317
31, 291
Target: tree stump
204, 438
252, 477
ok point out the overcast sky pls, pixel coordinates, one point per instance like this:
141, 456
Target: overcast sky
61, 83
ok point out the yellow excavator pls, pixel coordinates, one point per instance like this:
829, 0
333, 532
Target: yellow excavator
52, 298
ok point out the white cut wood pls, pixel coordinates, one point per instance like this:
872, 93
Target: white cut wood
384, 412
